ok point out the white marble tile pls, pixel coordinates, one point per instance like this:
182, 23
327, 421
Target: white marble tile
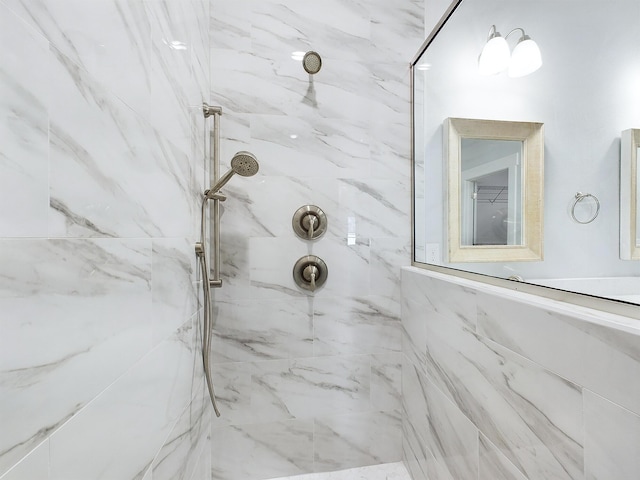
361, 439
24, 192
604, 359
386, 382
440, 428
385, 471
453, 301
198, 19
311, 146
414, 330
74, 320
94, 138
202, 469
305, 388
420, 461
175, 95
232, 383
258, 208
35, 466
287, 26
343, 441
388, 255
262, 330
110, 39
174, 295
266, 450
380, 207
272, 260
251, 331
612, 440
230, 24
413, 456
119, 433
493, 465
398, 34
530, 414
177, 459
355, 325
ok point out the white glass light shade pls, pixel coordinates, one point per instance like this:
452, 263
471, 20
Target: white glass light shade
494, 57
526, 58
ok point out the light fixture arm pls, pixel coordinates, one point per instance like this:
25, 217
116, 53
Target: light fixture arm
493, 32
523, 37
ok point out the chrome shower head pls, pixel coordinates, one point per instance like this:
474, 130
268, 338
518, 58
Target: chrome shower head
311, 62
243, 163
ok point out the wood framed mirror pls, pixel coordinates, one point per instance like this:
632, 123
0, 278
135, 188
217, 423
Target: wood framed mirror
494, 190
629, 211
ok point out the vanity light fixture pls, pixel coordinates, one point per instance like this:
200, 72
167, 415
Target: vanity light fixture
496, 56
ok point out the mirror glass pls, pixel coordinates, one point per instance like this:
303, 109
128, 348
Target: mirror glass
584, 95
491, 192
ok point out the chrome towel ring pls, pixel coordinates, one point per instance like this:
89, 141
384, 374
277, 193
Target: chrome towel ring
579, 197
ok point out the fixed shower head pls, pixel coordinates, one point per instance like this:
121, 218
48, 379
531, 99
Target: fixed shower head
311, 62
243, 163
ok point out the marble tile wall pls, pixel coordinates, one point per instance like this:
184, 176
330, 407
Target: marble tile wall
504, 385
102, 146
311, 383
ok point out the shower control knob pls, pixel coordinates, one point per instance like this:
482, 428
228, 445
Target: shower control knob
309, 222
310, 272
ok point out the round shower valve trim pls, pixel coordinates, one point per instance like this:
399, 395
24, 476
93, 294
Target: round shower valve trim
309, 222
310, 272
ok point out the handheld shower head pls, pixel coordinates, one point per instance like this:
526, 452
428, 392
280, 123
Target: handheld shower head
243, 163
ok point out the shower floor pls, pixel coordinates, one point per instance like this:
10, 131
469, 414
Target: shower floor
387, 471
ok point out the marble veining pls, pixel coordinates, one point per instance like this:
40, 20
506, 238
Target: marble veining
23, 130
386, 471
161, 382
603, 357
509, 399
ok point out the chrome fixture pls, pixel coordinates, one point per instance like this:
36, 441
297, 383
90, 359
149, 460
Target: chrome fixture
311, 62
201, 254
206, 328
309, 222
516, 278
243, 163
209, 110
310, 272
496, 56
579, 198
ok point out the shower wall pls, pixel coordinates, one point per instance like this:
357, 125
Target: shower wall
499, 384
311, 382
101, 161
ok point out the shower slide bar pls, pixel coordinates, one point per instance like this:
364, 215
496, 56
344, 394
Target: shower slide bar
244, 164
201, 249
214, 176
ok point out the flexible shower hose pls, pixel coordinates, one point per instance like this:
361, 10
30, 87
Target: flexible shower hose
207, 324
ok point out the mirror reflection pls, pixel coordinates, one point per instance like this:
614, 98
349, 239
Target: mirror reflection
491, 182
584, 93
